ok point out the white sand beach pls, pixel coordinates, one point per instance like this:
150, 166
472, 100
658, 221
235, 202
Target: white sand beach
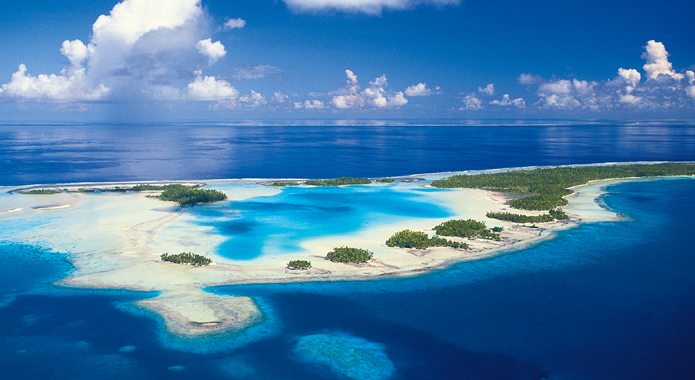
115, 241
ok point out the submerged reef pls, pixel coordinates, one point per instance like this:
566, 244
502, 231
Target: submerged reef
346, 355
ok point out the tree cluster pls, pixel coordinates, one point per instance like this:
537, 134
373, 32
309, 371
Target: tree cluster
186, 258
547, 187
469, 228
299, 264
349, 255
338, 181
559, 214
41, 191
420, 240
159, 187
518, 218
186, 196
386, 180
283, 184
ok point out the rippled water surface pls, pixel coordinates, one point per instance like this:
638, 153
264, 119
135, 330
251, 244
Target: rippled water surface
87, 152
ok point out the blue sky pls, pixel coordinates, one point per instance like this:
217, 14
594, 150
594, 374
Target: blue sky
224, 60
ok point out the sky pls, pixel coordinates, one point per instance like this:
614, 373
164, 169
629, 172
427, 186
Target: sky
217, 60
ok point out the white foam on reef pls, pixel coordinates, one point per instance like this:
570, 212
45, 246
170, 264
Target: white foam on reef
346, 355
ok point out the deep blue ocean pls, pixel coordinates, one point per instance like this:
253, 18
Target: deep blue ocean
603, 301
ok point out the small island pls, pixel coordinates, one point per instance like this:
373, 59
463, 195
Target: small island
520, 218
299, 264
189, 195
386, 180
420, 240
349, 255
283, 184
342, 181
41, 192
186, 258
469, 228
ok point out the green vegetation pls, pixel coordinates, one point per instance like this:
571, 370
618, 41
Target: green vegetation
41, 191
540, 202
386, 180
420, 240
159, 187
186, 195
338, 181
186, 258
283, 184
470, 229
559, 214
518, 218
496, 229
546, 187
144, 187
349, 255
299, 264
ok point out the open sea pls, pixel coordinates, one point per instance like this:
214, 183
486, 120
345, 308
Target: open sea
602, 301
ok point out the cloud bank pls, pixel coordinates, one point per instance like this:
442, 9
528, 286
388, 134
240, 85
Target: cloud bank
141, 48
375, 95
662, 88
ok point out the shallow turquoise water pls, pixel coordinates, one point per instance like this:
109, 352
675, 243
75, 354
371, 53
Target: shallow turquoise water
278, 224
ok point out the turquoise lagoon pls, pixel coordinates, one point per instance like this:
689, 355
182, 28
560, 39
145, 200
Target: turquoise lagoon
278, 224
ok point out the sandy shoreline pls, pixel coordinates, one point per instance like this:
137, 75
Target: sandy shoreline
115, 240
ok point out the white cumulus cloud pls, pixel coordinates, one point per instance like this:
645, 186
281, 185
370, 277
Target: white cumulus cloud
421, 89
69, 85
254, 99
526, 78
375, 95
312, 105
506, 101
631, 76
568, 94
488, 90
209, 88
234, 23
629, 99
662, 88
371, 7
279, 97
352, 78
141, 48
212, 50
690, 90
657, 61
397, 100
75, 51
471, 103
